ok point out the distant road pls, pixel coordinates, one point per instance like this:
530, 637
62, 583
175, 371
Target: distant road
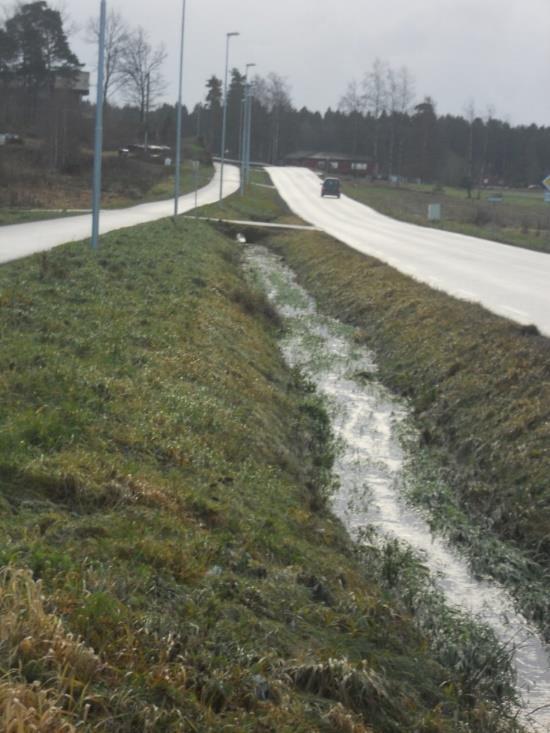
20, 240
510, 281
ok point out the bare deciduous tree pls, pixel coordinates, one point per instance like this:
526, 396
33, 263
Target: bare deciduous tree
352, 103
116, 38
352, 100
141, 70
273, 93
376, 97
400, 95
470, 115
405, 90
375, 88
487, 120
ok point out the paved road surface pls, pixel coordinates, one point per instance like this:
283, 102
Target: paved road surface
510, 281
20, 240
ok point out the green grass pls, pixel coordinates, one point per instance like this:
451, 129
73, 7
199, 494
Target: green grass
480, 389
521, 197
521, 219
259, 204
22, 216
169, 561
165, 188
479, 386
125, 182
119, 196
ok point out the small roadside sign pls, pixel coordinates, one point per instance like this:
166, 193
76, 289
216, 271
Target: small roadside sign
547, 197
546, 183
434, 212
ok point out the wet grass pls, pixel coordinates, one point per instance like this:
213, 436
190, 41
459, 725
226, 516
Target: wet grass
168, 559
522, 220
479, 386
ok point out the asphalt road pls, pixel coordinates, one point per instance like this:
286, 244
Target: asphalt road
20, 240
510, 281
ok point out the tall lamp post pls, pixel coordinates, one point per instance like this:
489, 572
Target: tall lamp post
178, 117
224, 121
248, 138
98, 147
244, 127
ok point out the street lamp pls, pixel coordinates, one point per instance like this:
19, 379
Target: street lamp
178, 117
98, 147
243, 133
228, 37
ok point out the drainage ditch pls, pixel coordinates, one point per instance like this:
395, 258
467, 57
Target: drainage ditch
367, 422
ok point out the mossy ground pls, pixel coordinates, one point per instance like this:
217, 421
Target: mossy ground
169, 563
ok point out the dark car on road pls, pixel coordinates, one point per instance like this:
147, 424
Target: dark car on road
331, 187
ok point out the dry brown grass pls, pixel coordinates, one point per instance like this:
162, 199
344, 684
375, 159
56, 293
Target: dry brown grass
342, 721
46, 670
357, 687
25, 708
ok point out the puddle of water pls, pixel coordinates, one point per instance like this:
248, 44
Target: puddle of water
365, 419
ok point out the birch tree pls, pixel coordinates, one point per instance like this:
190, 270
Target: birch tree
117, 34
141, 71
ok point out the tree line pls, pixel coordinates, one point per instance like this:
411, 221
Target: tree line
378, 117
381, 118
39, 80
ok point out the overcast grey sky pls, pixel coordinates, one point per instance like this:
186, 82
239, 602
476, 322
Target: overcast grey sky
495, 52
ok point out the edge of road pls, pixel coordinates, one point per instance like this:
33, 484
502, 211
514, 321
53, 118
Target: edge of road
22, 240
501, 304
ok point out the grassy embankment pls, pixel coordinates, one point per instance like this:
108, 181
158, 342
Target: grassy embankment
261, 203
479, 386
522, 218
168, 561
26, 186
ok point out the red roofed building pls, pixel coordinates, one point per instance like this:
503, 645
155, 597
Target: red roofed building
332, 163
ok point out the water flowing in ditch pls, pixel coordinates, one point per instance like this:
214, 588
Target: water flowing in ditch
365, 418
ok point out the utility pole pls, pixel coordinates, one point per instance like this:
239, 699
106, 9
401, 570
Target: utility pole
199, 110
245, 113
224, 121
248, 137
241, 126
178, 118
98, 148
147, 101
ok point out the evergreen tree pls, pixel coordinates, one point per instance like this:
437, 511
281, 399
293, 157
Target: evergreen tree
213, 117
8, 52
38, 47
235, 96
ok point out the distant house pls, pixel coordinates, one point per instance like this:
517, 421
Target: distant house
78, 83
332, 163
146, 151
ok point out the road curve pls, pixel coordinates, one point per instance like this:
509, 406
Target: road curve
20, 240
509, 281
